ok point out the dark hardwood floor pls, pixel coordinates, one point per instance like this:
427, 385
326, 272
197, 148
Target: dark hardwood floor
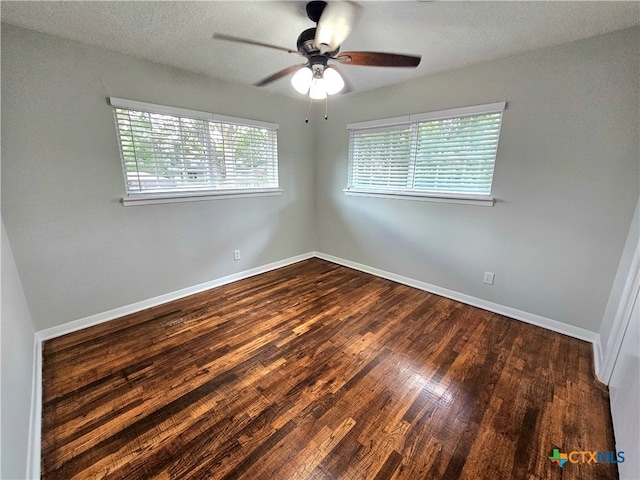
317, 371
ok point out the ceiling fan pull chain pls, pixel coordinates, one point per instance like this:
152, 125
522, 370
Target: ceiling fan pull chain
306, 120
326, 107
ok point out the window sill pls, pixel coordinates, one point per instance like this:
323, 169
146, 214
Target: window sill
481, 200
154, 198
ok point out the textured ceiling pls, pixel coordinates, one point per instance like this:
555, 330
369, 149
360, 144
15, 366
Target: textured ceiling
447, 34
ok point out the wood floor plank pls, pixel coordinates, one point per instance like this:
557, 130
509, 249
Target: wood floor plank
318, 371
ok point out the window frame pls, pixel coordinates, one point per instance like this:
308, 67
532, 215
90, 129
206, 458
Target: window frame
411, 121
147, 198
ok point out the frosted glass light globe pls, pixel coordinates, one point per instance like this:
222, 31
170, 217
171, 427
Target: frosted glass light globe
301, 80
318, 90
333, 81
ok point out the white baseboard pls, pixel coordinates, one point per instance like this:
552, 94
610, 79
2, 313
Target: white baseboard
532, 318
35, 422
92, 320
33, 467
527, 317
597, 357
35, 415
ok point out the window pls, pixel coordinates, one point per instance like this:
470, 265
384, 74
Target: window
170, 153
448, 154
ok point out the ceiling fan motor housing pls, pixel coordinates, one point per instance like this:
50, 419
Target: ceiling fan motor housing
306, 46
306, 42
315, 9
333, 26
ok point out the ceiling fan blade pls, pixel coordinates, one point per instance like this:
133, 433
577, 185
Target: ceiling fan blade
277, 75
230, 38
378, 59
336, 23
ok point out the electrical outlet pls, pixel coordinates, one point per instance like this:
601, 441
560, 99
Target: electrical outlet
488, 277
236, 254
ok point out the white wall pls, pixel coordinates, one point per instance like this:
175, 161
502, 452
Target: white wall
17, 332
78, 250
566, 182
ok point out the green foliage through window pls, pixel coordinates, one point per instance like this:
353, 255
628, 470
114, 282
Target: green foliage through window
445, 155
170, 153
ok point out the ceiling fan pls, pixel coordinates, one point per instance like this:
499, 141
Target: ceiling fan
321, 45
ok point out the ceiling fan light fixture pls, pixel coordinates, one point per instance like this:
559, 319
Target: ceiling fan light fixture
302, 80
333, 81
318, 90
321, 44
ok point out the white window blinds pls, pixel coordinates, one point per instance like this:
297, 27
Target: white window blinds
170, 150
449, 152
379, 157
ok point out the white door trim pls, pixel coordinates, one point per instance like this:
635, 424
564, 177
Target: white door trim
622, 318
